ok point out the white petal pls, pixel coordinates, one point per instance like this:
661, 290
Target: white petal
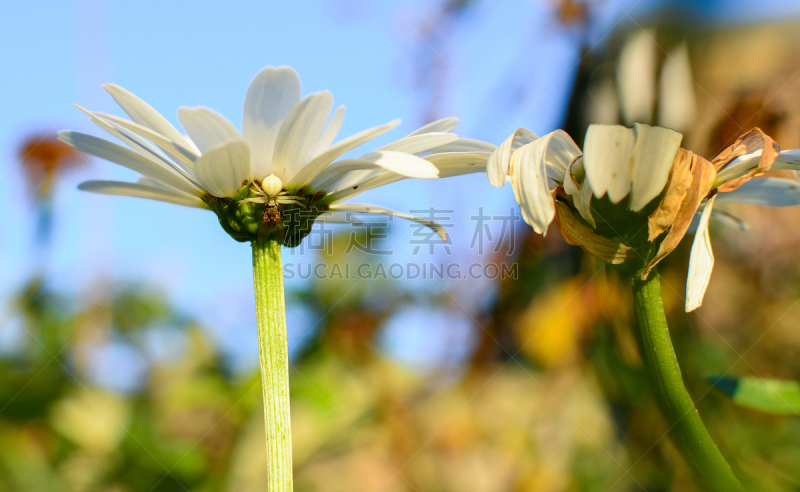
128, 158
787, 159
607, 154
121, 188
458, 163
142, 113
443, 125
271, 96
206, 127
402, 163
561, 151
300, 133
770, 192
176, 149
500, 160
369, 209
329, 134
636, 76
653, 154
465, 145
530, 183
701, 262
677, 105
223, 169
421, 143
140, 145
318, 163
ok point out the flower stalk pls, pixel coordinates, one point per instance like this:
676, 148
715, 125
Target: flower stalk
664, 374
274, 360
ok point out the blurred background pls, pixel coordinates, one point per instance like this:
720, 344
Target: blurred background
128, 352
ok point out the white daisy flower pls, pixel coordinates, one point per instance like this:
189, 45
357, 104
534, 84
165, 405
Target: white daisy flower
283, 162
628, 180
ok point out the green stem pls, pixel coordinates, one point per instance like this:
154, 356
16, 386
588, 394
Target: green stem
664, 374
274, 356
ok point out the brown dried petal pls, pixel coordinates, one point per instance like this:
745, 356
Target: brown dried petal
576, 232
680, 180
748, 143
703, 175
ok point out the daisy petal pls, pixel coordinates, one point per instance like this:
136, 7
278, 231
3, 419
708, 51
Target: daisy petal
530, 183
421, 143
443, 125
300, 133
224, 168
206, 127
402, 163
607, 153
142, 113
701, 262
770, 192
318, 163
175, 149
127, 158
500, 160
369, 209
653, 154
457, 163
121, 188
464, 145
331, 131
270, 98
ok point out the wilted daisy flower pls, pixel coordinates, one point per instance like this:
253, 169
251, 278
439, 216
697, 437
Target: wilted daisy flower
281, 172
628, 180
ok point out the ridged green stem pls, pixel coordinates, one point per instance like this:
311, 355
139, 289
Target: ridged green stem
664, 374
274, 357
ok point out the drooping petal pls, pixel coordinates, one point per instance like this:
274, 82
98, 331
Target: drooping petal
607, 157
128, 158
121, 188
580, 191
206, 127
317, 164
752, 141
576, 232
421, 143
270, 98
331, 131
300, 133
369, 209
703, 175
500, 160
224, 168
653, 155
680, 180
442, 125
142, 113
530, 183
770, 192
701, 262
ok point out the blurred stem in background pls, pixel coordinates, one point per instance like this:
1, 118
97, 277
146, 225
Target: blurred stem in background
274, 358
664, 374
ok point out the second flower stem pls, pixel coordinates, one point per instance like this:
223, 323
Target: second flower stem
664, 374
274, 358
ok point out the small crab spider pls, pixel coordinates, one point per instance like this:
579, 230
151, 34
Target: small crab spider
271, 193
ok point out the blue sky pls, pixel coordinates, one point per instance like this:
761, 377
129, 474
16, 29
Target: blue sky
199, 52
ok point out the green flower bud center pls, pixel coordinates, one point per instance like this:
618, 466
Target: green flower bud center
264, 209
